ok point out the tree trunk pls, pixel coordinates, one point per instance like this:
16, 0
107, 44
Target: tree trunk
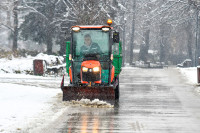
124, 44
198, 41
49, 40
8, 15
62, 48
146, 49
142, 52
133, 34
15, 33
189, 39
63, 45
49, 46
162, 52
9, 21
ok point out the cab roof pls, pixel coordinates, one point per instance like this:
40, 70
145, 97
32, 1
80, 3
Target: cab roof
92, 26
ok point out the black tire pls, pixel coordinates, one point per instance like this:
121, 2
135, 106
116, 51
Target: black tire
117, 90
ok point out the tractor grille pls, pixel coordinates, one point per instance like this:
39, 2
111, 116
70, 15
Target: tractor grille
90, 76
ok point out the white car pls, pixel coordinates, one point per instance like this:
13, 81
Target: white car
185, 63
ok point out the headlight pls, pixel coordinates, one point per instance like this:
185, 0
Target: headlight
96, 69
105, 29
84, 69
76, 29
111, 57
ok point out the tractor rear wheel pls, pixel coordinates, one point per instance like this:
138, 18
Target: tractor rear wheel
117, 90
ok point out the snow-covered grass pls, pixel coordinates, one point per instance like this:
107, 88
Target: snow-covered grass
16, 65
191, 76
24, 98
190, 73
25, 64
21, 103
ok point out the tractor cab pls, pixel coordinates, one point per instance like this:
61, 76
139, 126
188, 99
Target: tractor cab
93, 62
91, 54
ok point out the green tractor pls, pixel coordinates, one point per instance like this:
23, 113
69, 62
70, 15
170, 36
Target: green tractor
93, 63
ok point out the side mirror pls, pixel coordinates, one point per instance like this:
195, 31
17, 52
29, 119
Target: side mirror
116, 37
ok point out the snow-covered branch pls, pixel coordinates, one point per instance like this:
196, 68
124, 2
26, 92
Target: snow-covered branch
33, 9
10, 28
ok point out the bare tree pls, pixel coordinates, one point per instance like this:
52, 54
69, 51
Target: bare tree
11, 6
133, 33
15, 25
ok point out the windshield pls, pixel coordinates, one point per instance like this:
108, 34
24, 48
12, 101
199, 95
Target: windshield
90, 43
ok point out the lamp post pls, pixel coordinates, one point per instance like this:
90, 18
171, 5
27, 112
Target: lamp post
124, 43
196, 44
196, 4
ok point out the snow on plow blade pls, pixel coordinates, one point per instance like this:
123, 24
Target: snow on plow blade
105, 93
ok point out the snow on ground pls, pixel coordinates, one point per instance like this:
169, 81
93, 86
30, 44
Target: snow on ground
19, 104
191, 75
15, 65
24, 98
25, 64
29, 108
28, 102
26, 106
91, 103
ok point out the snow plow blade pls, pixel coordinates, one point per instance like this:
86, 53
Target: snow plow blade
105, 93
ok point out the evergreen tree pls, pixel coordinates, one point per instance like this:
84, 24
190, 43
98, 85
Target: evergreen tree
40, 24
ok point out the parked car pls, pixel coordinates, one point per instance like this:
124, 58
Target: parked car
185, 63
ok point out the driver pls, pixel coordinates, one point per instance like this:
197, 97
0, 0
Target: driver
89, 47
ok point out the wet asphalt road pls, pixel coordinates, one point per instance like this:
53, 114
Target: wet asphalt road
151, 101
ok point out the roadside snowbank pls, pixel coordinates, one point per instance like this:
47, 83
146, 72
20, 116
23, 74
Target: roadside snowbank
26, 101
20, 104
16, 65
25, 64
190, 73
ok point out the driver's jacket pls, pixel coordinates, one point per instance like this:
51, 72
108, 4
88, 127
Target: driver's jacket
92, 49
